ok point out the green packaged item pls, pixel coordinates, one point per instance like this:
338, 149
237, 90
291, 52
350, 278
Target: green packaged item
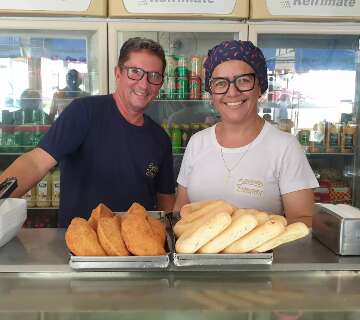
176, 139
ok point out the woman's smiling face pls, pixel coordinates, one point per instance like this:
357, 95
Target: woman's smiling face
236, 107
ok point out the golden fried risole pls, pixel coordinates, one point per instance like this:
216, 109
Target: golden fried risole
139, 237
100, 211
138, 209
158, 228
110, 238
81, 239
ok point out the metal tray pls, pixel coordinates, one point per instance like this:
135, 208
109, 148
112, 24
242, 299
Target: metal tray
132, 263
219, 259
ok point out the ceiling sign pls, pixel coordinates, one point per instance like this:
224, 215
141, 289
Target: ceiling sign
327, 8
180, 6
45, 5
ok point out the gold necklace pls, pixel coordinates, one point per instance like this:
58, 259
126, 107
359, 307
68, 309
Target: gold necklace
230, 170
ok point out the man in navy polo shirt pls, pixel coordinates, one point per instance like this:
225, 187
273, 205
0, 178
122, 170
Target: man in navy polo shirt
107, 149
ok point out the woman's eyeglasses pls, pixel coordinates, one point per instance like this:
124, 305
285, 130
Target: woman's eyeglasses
134, 73
242, 82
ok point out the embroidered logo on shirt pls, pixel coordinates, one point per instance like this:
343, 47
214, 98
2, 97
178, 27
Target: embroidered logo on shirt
152, 170
251, 187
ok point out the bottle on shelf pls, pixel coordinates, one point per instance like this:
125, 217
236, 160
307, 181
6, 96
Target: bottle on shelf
333, 137
55, 188
43, 192
176, 138
185, 135
270, 95
348, 137
195, 88
30, 197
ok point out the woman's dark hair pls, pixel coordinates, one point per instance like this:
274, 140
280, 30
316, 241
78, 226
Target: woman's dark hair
138, 44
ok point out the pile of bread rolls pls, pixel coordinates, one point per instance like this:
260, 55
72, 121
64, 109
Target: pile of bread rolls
215, 226
108, 234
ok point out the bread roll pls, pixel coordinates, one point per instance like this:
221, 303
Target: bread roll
261, 216
239, 226
110, 238
190, 242
242, 211
181, 226
279, 218
216, 206
255, 238
100, 211
193, 206
292, 232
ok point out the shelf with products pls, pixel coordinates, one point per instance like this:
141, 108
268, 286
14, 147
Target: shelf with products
17, 139
41, 218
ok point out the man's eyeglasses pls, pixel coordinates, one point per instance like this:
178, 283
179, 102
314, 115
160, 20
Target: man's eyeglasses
242, 82
134, 73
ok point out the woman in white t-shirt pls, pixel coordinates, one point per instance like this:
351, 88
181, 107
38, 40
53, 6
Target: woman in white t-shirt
243, 159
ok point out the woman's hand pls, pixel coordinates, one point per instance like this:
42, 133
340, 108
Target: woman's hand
181, 198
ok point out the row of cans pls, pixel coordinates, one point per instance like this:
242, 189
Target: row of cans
184, 78
179, 88
182, 66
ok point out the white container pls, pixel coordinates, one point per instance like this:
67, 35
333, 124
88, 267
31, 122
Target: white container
12, 217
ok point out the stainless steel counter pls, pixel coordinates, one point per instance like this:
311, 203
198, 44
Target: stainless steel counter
44, 250
37, 283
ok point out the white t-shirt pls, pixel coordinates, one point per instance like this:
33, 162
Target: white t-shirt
271, 165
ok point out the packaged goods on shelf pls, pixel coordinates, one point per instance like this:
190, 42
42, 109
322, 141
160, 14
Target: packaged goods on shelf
30, 197
195, 88
348, 137
43, 192
332, 141
176, 138
339, 192
55, 188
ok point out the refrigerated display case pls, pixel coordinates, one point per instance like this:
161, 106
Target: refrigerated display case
45, 63
313, 71
182, 107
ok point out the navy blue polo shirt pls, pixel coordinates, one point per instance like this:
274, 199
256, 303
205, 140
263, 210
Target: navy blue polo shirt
103, 158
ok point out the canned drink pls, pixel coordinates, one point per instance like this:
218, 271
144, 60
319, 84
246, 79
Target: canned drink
304, 137
196, 66
181, 61
171, 88
195, 88
182, 69
182, 87
171, 65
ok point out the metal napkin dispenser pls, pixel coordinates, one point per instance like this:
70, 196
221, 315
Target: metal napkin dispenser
337, 227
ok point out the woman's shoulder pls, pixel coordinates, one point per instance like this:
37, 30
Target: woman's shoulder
203, 136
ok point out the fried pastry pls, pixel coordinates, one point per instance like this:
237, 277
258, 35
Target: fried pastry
138, 209
81, 239
158, 228
100, 211
109, 233
139, 237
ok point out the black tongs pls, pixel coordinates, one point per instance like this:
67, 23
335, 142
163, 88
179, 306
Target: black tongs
7, 187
